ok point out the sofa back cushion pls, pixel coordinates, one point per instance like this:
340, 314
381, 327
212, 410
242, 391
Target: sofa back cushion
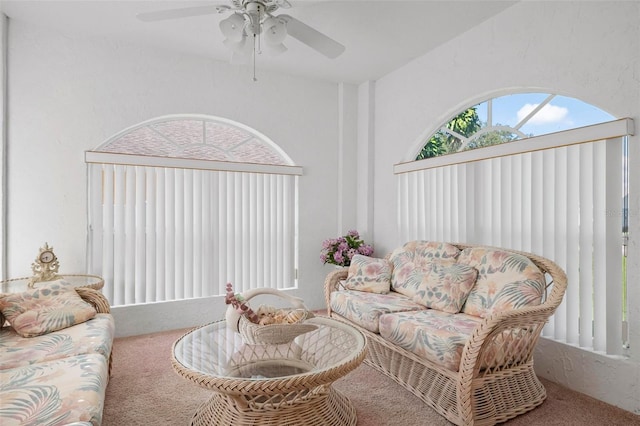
417, 255
505, 281
446, 286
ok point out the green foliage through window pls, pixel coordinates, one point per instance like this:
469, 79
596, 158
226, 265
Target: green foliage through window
510, 117
466, 124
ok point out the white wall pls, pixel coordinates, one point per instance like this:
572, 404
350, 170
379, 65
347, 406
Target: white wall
68, 94
586, 50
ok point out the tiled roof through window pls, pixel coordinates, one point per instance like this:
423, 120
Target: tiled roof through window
202, 139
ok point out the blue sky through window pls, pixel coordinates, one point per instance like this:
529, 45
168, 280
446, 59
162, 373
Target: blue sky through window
562, 113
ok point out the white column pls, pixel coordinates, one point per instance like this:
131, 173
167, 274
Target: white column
365, 160
347, 157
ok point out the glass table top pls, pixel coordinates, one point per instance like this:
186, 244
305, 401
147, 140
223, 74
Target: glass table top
214, 350
18, 285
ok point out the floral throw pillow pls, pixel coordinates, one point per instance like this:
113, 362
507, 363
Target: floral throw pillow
445, 286
369, 274
48, 308
506, 281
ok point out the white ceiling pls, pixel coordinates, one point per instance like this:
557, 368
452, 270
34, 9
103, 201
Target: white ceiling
379, 36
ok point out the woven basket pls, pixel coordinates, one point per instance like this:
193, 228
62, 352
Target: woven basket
271, 334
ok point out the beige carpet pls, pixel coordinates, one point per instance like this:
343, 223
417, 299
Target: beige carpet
144, 390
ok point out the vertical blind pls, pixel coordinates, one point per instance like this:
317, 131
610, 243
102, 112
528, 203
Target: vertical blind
559, 196
168, 233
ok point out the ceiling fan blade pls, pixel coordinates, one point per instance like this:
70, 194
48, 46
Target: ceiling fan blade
185, 12
283, 4
312, 37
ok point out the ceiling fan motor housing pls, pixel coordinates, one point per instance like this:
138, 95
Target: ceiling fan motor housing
268, 6
256, 11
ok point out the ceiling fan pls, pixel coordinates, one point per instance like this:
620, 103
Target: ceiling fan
252, 21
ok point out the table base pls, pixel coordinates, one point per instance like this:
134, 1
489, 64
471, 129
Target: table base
329, 407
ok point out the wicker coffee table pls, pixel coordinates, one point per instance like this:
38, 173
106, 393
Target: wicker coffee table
285, 384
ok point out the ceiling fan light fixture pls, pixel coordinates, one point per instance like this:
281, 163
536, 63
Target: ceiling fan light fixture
233, 27
274, 31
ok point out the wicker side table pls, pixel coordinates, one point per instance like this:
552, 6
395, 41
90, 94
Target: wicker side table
17, 285
284, 384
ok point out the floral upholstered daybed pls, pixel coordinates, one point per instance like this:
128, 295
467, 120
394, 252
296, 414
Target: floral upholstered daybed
55, 353
455, 324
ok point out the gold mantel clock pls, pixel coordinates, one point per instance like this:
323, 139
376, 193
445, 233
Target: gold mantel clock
45, 267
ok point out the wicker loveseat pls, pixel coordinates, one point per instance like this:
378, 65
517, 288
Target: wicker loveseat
456, 324
56, 377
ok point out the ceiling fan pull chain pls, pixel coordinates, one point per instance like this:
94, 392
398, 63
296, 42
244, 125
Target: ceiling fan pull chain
254, 58
259, 41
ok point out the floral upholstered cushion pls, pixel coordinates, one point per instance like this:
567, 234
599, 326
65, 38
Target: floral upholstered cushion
369, 274
434, 335
93, 336
417, 255
365, 309
53, 393
445, 286
505, 281
48, 308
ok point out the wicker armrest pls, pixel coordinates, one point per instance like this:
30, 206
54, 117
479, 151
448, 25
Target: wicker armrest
510, 336
332, 283
96, 298
504, 340
507, 339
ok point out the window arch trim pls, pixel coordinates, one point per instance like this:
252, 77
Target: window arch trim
102, 154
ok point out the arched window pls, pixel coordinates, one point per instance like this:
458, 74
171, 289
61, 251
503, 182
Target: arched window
508, 118
181, 205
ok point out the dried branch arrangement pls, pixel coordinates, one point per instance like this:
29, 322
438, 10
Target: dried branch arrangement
239, 304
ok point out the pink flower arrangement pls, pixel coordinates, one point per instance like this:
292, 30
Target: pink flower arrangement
340, 251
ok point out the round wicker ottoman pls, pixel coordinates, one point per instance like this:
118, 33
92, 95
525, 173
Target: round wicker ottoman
284, 384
